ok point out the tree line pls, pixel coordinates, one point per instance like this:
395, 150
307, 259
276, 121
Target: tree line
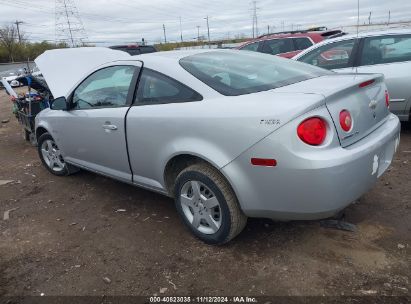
14, 47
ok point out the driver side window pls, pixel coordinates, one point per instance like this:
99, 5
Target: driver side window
104, 88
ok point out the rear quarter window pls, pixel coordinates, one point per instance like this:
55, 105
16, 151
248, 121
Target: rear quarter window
155, 88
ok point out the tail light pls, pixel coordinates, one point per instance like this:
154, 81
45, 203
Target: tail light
345, 120
387, 99
312, 131
366, 83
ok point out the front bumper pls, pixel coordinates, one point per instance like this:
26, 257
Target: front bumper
308, 185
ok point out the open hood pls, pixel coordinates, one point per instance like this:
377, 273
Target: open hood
63, 68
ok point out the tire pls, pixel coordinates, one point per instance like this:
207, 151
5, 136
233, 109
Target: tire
211, 223
53, 161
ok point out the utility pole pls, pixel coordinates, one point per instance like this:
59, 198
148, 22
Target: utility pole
208, 33
268, 29
17, 23
198, 33
369, 19
164, 30
389, 16
181, 31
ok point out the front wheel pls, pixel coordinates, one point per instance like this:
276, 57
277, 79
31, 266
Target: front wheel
50, 155
207, 204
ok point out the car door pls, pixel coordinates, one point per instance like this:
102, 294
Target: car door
156, 112
337, 56
92, 133
391, 56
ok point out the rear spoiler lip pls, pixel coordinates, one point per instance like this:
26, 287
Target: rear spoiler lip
357, 79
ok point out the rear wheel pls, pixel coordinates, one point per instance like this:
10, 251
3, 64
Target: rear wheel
207, 204
51, 156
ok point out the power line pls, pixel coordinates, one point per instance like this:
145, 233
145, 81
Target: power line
68, 25
255, 23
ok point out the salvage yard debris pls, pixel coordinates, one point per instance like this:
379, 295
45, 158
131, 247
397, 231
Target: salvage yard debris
106, 280
5, 182
6, 215
338, 224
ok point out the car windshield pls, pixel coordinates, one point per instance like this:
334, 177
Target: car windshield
236, 73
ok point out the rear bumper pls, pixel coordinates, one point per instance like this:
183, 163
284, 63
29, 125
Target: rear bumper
307, 185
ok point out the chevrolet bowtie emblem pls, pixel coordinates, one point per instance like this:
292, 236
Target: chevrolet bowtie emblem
373, 104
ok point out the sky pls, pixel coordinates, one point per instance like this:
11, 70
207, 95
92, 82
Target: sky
108, 22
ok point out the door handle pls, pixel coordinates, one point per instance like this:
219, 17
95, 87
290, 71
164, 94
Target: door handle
109, 127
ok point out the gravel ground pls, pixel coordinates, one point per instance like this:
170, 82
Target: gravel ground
89, 235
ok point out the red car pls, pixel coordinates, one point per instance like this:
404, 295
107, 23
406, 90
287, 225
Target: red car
288, 44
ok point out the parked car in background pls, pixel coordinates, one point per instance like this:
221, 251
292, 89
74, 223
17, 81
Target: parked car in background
288, 44
134, 49
228, 134
11, 77
387, 52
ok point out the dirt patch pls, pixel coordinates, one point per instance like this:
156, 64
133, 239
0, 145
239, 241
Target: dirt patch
66, 237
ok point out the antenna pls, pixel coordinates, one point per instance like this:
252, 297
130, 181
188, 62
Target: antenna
68, 25
358, 25
358, 16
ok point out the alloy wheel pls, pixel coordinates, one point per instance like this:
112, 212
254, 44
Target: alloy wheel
52, 155
201, 207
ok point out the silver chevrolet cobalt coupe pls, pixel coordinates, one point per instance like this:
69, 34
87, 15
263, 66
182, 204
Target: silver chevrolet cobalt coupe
228, 134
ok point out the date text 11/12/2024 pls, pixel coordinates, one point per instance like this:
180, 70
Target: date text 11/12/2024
202, 299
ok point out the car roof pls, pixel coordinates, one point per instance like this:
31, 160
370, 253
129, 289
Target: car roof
391, 31
283, 35
175, 55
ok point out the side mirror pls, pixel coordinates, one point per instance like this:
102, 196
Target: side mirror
59, 104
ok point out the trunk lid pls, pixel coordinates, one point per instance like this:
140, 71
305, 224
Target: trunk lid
363, 95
